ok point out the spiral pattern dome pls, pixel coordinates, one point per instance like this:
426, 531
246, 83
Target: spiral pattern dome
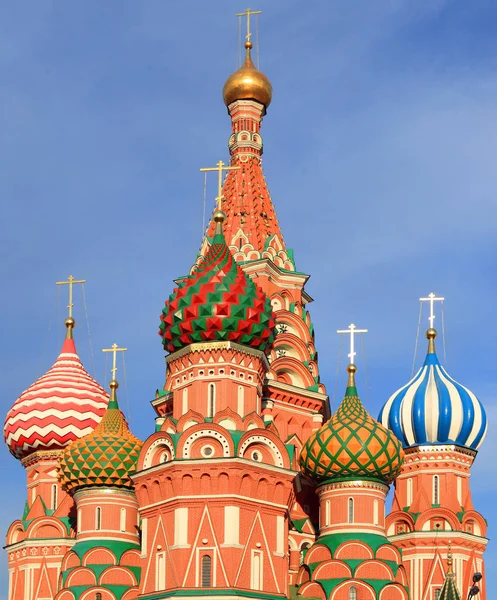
218, 302
61, 406
351, 445
433, 408
105, 457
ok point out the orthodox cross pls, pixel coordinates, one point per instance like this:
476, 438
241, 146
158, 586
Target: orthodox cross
114, 349
352, 331
431, 299
70, 282
248, 14
220, 167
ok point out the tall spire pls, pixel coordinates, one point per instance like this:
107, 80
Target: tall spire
70, 322
449, 589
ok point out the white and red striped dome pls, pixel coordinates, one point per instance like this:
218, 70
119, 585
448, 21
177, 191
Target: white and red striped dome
62, 406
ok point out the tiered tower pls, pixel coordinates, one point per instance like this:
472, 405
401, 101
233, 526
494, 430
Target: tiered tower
292, 395
214, 482
352, 459
104, 563
62, 406
441, 425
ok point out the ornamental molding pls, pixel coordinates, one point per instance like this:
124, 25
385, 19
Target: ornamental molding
364, 484
95, 492
41, 455
209, 346
437, 448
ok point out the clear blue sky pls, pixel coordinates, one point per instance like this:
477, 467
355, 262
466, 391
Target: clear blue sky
380, 149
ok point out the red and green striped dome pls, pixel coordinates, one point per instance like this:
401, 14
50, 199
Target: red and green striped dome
351, 445
105, 457
217, 302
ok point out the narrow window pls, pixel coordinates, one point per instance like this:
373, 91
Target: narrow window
327, 514
206, 571
160, 570
256, 571
211, 400
184, 406
375, 512
123, 519
437, 594
98, 596
351, 510
353, 593
459, 490
409, 492
78, 521
240, 400
54, 496
98, 518
436, 491
144, 539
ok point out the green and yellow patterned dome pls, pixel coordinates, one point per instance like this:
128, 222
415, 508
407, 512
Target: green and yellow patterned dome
351, 445
105, 457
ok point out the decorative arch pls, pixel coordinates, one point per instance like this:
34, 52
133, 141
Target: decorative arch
99, 556
373, 569
204, 430
46, 527
318, 553
15, 533
388, 552
332, 569
292, 371
393, 591
440, 513
156, 446
90, 594
71, 560
312, 589
190, 416
117, 576
131, 558
353, 551
365, 591
81, 576
268, 439
231, 415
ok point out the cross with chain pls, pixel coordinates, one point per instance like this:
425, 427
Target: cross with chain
70, 282
352, 331
220, 167
114, 349
432, 299
248, 13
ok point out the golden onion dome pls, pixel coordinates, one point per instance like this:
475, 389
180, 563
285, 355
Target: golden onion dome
248, 83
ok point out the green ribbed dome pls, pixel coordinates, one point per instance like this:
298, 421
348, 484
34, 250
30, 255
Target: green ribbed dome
351, 445
104, 457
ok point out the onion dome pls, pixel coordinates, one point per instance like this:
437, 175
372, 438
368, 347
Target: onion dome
105, 457
61, 406
433, 408
351, 445
217, 302
248, 83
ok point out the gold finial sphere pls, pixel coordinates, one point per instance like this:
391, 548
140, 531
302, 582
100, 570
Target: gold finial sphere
248, 45
219, 216
69, 322
431, 334
113, 385
351, 369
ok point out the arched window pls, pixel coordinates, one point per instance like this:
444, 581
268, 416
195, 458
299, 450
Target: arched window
206, 571
303, 551
409, 492
375, 512
211, 406
351, 510
98, 518
98, 596
353, 593
241, 400
54, 496
436, 490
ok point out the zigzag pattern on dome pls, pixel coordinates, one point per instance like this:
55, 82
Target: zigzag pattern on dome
218, 302
61, 406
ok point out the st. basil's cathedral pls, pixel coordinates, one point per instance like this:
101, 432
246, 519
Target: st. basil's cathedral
246, 487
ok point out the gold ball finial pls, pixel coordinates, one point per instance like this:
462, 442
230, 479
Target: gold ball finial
113, 385
351, 369
431, 334
219, 216
69, 323
248, 45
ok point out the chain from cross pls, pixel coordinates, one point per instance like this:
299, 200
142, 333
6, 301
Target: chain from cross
114, 349
432, 299
248, 13
70, 282
352, 331
220, 167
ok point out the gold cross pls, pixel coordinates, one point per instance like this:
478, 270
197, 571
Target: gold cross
70, 282
247, 14
114, 349
220, 167
352, 331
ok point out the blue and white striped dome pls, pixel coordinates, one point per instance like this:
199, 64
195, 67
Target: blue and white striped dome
433, 408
